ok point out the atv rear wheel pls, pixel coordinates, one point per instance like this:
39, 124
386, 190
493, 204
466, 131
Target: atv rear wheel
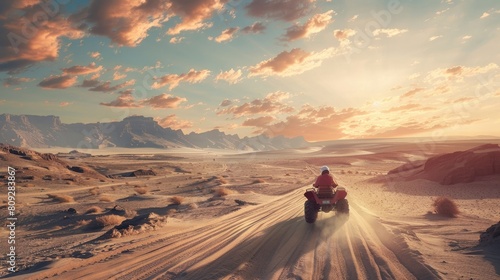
343, 206
310, 211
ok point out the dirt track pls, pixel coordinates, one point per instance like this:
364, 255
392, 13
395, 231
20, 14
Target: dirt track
268, 241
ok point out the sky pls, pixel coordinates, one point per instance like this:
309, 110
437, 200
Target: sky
321, 69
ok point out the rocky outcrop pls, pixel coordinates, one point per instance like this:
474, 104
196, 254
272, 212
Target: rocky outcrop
492, 234
458, 167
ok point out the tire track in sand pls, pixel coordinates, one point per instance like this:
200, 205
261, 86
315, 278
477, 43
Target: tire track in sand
267, 241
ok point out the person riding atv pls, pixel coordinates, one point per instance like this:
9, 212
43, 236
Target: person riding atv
326, 196
325, 180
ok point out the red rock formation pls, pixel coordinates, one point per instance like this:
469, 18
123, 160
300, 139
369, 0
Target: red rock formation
457, 167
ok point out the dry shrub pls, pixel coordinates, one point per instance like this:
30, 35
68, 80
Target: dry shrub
94, 191
104, 198
94, 209
193, 206
445, 206
258, 181
130, 213
222, 192
108, 220
177, 200
61, 197
221, 180
141, 190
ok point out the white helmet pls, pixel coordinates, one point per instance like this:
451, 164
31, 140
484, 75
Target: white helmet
324, 168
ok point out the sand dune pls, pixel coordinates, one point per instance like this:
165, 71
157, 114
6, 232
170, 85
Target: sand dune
240, 216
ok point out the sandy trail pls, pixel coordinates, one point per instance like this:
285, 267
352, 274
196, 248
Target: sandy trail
267, 241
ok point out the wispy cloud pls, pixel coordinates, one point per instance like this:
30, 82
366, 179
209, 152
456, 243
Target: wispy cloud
193, 14
231, 76
271, 104
256, 27
164, 101
226, 35
389, 32
289, 63
58, 82
124, 100
435, 37
173, 80
173, 122
82, 70
314, 25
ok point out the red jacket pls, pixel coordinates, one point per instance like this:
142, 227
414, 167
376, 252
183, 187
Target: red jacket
325, 180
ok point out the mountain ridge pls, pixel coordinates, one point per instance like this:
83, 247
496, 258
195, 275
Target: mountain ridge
33, 131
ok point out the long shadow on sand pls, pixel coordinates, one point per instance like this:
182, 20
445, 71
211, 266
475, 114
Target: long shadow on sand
281, 244
492, 254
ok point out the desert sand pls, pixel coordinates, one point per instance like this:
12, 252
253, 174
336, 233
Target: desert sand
208, 214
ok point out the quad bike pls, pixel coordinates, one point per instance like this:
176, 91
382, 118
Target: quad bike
326, 200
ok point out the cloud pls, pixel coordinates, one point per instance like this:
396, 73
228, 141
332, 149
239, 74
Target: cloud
285, 10
258, 122
194, 13
484, 15
343, 34
65, 103
89, 83
291, 63
95, 55
231, 76
173, 122
389, 32
256, 27
176, 40
106, 86
125, 100
164, 101
314, 25
225, 103
118, 76
459, 72
271, 104
12, 81
58, 82
435, 37
442, 11
125, 22
82, 70
173, 80
31, 35
227, 35
412, 92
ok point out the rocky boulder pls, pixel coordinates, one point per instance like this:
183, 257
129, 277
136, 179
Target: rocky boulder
458, 167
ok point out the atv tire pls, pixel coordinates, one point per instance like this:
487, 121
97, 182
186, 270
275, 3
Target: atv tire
310, 212
343, 206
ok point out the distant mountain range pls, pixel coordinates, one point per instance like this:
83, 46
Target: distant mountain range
132, 132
